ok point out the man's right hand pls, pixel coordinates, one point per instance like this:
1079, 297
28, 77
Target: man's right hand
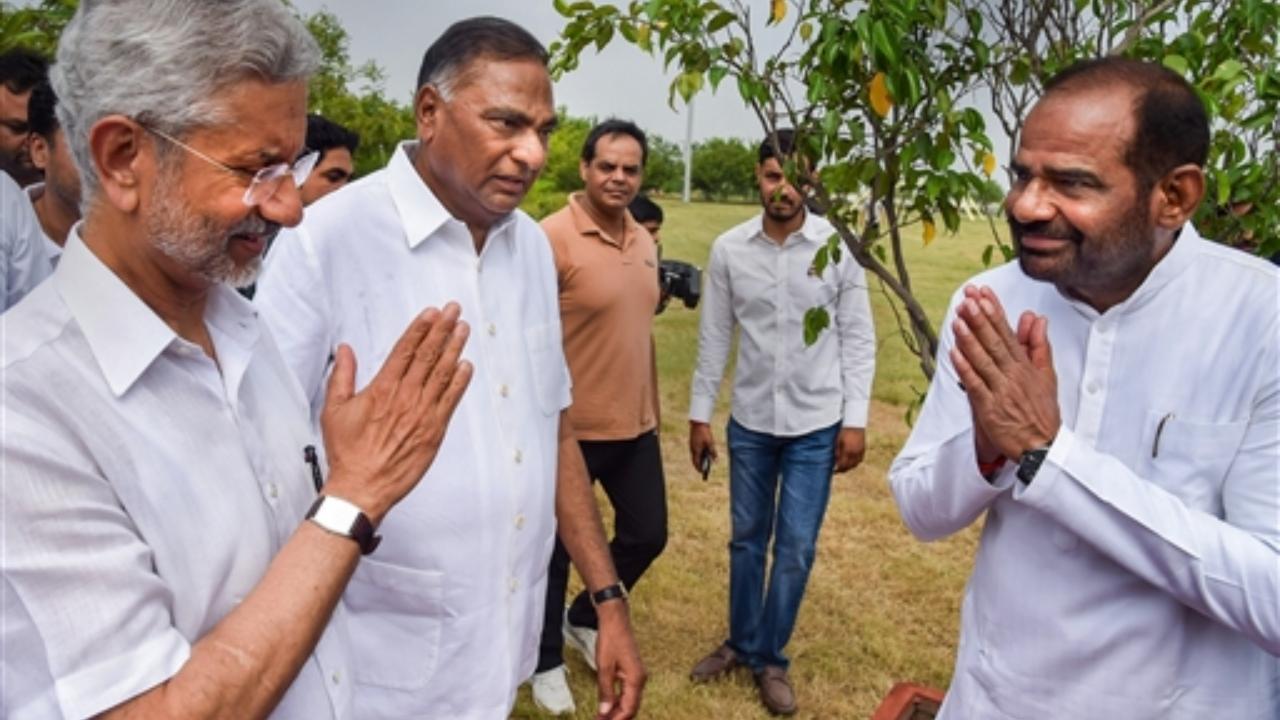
700, 441
381, 440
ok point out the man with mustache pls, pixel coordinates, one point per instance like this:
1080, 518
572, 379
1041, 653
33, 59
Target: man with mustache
607, 273
20, 71
799, 411
1121, 438
446, 622
159, 557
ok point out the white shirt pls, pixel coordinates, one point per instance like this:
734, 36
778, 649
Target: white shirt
781, 386
1138, 576
52, 250
446, 615
23, 259
145, 493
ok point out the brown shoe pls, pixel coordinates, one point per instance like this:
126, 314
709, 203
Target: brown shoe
716, 665
775, 690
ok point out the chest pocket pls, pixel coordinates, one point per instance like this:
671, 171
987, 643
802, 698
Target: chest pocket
1190, 458
546, 362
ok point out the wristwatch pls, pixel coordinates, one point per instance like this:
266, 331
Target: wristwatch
342, 518
616, 591
1030, 463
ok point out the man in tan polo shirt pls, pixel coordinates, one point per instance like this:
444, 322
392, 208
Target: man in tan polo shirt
607, 267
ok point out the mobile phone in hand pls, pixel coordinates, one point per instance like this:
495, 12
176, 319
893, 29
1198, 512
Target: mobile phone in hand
704, 463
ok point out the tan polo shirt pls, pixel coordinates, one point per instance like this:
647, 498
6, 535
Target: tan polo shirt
608, 293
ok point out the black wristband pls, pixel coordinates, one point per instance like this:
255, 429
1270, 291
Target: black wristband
616, 591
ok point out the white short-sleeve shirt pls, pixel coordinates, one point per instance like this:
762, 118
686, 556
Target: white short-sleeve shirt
445, 617
145, 493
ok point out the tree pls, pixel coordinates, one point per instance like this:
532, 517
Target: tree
664, 173
35, 28
354, 97
875, 92
723, 168
1228, 50
871, 90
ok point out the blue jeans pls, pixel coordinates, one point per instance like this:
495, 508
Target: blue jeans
761, 619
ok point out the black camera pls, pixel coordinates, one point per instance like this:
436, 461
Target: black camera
679, 279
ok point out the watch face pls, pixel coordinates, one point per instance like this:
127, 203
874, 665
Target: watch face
1030, 463
336, 515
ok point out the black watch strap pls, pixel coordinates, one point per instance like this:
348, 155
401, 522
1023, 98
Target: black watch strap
343, 518
616, 591
1030, 464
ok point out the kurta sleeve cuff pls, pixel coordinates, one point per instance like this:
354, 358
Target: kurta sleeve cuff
1050, 472
92, 690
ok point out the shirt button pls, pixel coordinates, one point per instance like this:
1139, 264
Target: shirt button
515, 584
503, 391
273, 490
493, 329
337, 679
519, 522
1092, 387
519, 456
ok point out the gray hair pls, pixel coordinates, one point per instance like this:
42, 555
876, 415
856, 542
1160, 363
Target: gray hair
163, 62
468, 40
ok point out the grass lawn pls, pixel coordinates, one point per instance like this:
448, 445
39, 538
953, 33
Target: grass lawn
881, 607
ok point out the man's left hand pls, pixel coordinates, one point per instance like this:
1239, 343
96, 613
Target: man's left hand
1009, 378
851, 446
621, 674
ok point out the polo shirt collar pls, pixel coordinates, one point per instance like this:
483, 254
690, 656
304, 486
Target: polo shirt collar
586, 225
421, 213
123, 333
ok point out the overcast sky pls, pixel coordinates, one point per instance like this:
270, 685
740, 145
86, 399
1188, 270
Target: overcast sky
621, 81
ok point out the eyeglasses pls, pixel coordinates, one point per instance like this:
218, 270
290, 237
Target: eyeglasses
264, 183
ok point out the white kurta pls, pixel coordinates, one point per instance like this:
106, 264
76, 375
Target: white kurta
145, 493
1138, 576
445, 616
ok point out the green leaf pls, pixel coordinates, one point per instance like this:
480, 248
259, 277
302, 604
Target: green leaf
720, 21
716, 74
815, 321
606, 34
820, 261
806, 31
986, 255
1176, 63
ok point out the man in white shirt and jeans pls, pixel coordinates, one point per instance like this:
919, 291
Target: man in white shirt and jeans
799, 411
1122, 441
158, 555
446, 623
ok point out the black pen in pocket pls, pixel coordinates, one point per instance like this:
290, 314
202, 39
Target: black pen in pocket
1155, 444
311, 458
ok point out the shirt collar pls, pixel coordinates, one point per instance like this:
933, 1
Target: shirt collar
586, 225
815, 230
421, 212
123, 333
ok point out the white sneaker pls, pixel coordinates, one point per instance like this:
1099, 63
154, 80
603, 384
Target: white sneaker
582, 639
551, 691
